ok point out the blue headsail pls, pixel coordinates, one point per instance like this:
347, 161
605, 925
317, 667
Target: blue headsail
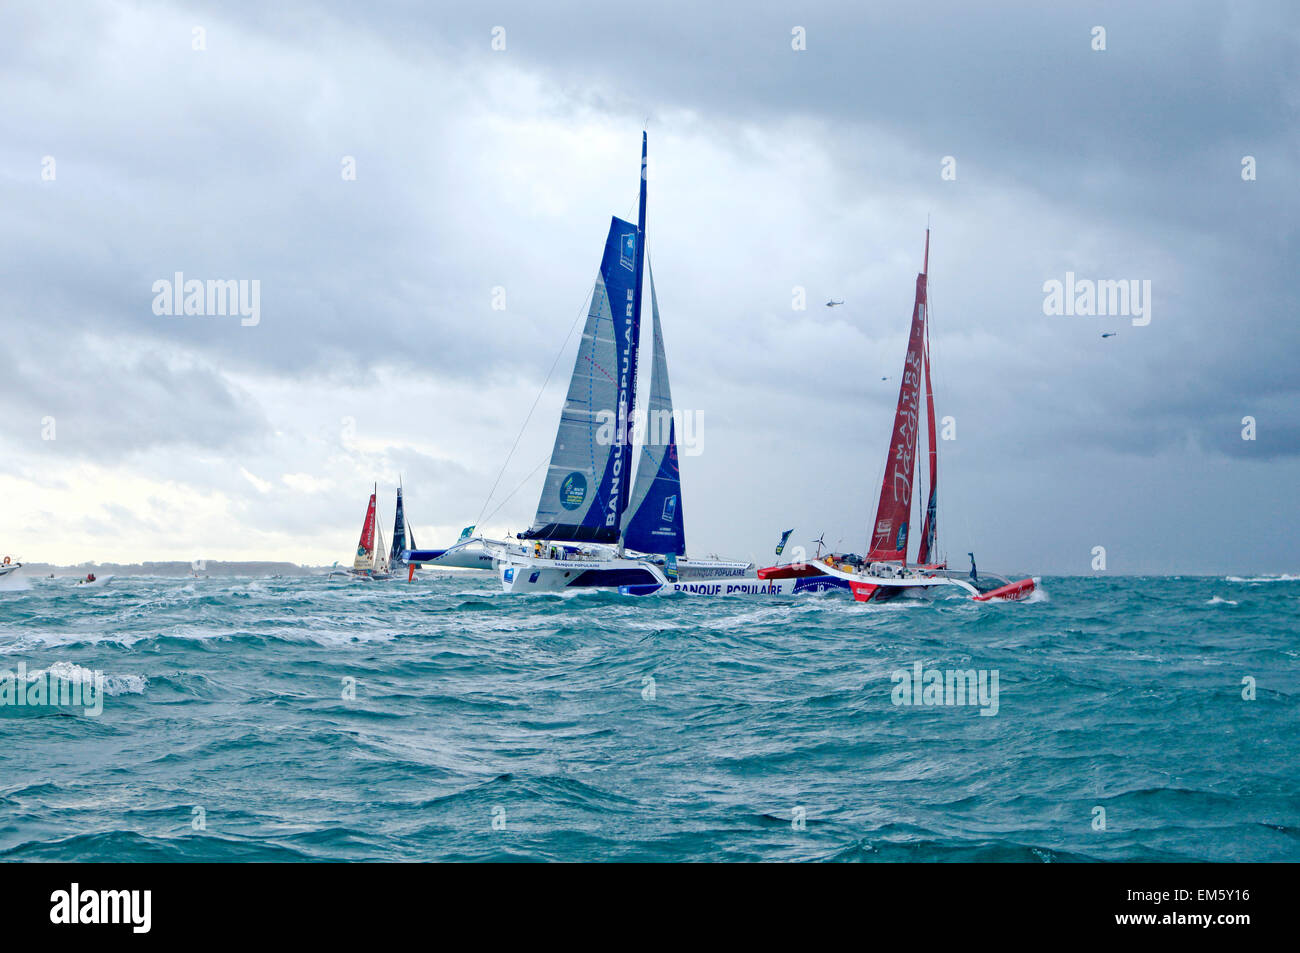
657, 524
399, 532
586, 488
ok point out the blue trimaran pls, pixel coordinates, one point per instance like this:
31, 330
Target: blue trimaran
596, 527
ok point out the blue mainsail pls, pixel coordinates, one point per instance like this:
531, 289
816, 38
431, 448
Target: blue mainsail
399, 532
586, 488
656, 524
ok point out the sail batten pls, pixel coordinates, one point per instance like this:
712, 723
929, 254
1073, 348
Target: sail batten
656, 523
890, 530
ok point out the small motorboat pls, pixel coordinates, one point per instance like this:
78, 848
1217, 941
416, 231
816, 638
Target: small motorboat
10, 568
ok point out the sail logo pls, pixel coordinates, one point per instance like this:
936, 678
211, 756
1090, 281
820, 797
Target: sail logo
670, 508
1101, 298
920, 686
625, 396
627, 251
573, 490
901, 543
209, 298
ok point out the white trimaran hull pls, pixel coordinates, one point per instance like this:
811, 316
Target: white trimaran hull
631, 572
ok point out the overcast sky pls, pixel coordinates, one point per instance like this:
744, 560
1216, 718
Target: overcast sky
378, 351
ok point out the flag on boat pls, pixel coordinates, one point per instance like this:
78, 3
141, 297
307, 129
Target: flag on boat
785, 538
465, 533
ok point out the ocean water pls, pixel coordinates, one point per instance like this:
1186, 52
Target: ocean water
600, 727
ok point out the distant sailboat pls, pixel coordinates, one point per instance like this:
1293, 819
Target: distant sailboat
403, 537
371, 560
885, 573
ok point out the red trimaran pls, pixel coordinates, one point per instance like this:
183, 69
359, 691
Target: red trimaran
885, 572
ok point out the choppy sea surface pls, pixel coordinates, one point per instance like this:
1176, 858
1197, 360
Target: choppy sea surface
595, 726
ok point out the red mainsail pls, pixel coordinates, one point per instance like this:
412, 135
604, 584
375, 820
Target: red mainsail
889, 533
366, 547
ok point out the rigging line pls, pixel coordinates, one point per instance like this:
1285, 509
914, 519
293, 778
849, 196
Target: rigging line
582, 311
934, 403
545, 459
940, 508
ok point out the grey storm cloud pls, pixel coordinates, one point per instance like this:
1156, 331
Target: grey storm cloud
109, 397
772, 169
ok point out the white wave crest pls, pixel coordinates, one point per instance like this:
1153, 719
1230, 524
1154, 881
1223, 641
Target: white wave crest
79, 674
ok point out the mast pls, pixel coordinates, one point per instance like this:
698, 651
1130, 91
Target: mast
625, 487
588, 483
929, 525
374, 533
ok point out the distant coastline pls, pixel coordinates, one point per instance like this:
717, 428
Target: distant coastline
211, 567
